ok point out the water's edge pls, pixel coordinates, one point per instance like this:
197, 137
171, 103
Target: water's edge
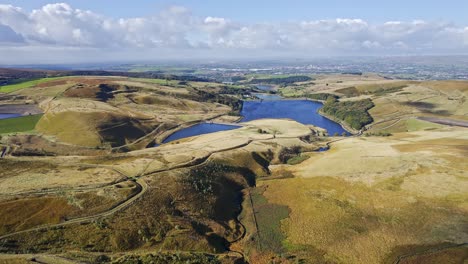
345, 126
161, 140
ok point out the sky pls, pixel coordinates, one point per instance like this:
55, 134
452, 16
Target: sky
43, 31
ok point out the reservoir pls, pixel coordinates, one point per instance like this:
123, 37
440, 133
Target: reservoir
199, 129
303, 111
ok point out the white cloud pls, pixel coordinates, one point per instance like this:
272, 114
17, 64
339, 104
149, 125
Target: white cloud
465, 37
176, 29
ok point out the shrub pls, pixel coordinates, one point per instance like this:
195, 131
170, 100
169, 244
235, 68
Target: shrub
298, 159
378, 134
288, 153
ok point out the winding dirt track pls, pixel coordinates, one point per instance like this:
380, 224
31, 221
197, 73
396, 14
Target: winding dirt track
142, 186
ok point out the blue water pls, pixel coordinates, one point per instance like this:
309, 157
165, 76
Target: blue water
302, 111
323, 149
198, 129
268, 96
5, 116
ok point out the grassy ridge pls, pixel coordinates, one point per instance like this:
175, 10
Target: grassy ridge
378, 90
155, 81
18, 86
19, 124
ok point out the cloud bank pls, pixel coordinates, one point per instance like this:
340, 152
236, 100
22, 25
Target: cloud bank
58, 30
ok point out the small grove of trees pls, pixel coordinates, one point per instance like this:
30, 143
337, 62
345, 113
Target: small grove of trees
204, 96
354, 113
287, 153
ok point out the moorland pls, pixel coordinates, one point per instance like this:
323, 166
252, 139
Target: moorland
81, 180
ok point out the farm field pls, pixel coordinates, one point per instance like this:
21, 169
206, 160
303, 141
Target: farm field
28, 84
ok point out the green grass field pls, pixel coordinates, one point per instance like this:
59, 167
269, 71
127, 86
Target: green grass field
19, 124
269, 218
18, 86
298, 159
416, 125
292, 92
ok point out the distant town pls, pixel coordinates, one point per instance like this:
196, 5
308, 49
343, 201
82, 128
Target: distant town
401, 67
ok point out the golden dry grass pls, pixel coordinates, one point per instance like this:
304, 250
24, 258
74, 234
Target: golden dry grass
34, 212
367, 197
354, 223
35, 176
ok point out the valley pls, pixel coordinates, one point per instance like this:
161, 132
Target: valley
324, 168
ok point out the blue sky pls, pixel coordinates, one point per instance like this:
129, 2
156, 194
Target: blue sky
268, 11
45, 31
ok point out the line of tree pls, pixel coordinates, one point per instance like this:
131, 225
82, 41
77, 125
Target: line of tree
321, 96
